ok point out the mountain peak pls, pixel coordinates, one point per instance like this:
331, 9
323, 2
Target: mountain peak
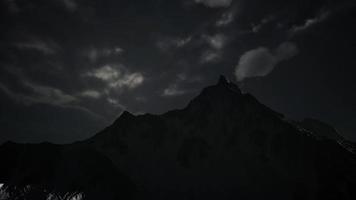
126, 113
222, 96
125, 116
223, 80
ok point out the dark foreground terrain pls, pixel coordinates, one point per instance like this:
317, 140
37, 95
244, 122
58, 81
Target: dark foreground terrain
223, 145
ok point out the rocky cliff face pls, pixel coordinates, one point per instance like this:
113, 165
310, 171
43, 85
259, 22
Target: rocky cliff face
225, 145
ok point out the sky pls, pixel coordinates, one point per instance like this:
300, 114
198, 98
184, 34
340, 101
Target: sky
68, 68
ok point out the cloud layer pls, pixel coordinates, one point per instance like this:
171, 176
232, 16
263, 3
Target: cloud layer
261, 61
106, 56
117, 76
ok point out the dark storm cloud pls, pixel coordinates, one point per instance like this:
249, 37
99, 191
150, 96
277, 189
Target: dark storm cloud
98, 58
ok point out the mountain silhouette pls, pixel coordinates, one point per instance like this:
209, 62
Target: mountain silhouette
224, 144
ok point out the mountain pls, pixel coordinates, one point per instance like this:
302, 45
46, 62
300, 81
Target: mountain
224, 144
39, 171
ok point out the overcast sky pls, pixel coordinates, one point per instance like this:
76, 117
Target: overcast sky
68, 68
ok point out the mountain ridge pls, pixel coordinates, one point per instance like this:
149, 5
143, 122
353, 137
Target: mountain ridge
224, 144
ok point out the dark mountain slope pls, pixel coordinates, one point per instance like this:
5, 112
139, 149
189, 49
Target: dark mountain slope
223, 145
36, 171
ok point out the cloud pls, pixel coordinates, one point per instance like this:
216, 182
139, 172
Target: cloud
29, 92
217, 41
113, 51
117, 76
46, 48
93, 54
172, 90
215, 3
10, 93
261, 61
91, 94
48, 95
310, 23
129, 80
225, 19
170, 43
40, 94
257, 27
210, 57
181, 85
183, 41
116, 103
106, 73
